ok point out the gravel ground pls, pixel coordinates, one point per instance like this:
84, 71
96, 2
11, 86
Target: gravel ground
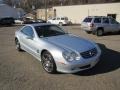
21, 71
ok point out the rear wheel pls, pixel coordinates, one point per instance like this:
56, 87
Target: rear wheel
18, 47
88, 32
99, 32
48, 62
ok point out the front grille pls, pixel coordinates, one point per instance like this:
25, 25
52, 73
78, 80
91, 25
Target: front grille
89, 53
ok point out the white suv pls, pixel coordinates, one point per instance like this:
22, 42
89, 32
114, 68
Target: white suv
99, 25
59, 21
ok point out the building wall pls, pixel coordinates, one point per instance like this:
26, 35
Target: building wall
41, 13
77, 13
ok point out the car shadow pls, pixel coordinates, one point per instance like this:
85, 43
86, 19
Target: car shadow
112, 33
6, 25
109, 61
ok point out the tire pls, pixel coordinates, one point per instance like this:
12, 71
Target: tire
60, 23
99, 32
18, 47
93, 33
119, 32
48, 62
88, 32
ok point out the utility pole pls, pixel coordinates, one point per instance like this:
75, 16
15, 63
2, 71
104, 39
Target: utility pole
45, 2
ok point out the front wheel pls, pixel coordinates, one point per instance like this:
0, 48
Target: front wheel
48, 62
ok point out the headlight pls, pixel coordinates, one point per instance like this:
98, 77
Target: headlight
70, 56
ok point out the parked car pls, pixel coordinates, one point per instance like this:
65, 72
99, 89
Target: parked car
59, 21
100, 24
56, 49
41, 21
18, 21
7, 21
32, 21
28, 21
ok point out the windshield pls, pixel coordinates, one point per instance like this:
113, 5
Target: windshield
49, 30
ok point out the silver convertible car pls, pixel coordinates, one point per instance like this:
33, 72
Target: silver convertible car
56, 49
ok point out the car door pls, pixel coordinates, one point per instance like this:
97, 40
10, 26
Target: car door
29, 41
54, 21
58, 20
114, 25
22, 38
106, 24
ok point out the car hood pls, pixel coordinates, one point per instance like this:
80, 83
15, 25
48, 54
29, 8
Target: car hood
71, 42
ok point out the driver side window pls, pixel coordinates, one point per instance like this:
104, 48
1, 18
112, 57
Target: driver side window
113, 21
28, 31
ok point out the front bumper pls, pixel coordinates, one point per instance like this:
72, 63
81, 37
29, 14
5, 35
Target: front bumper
82, 64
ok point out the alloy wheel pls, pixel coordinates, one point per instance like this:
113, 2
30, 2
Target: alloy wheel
48, 62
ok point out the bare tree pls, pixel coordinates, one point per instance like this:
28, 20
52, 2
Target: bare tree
29, 4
